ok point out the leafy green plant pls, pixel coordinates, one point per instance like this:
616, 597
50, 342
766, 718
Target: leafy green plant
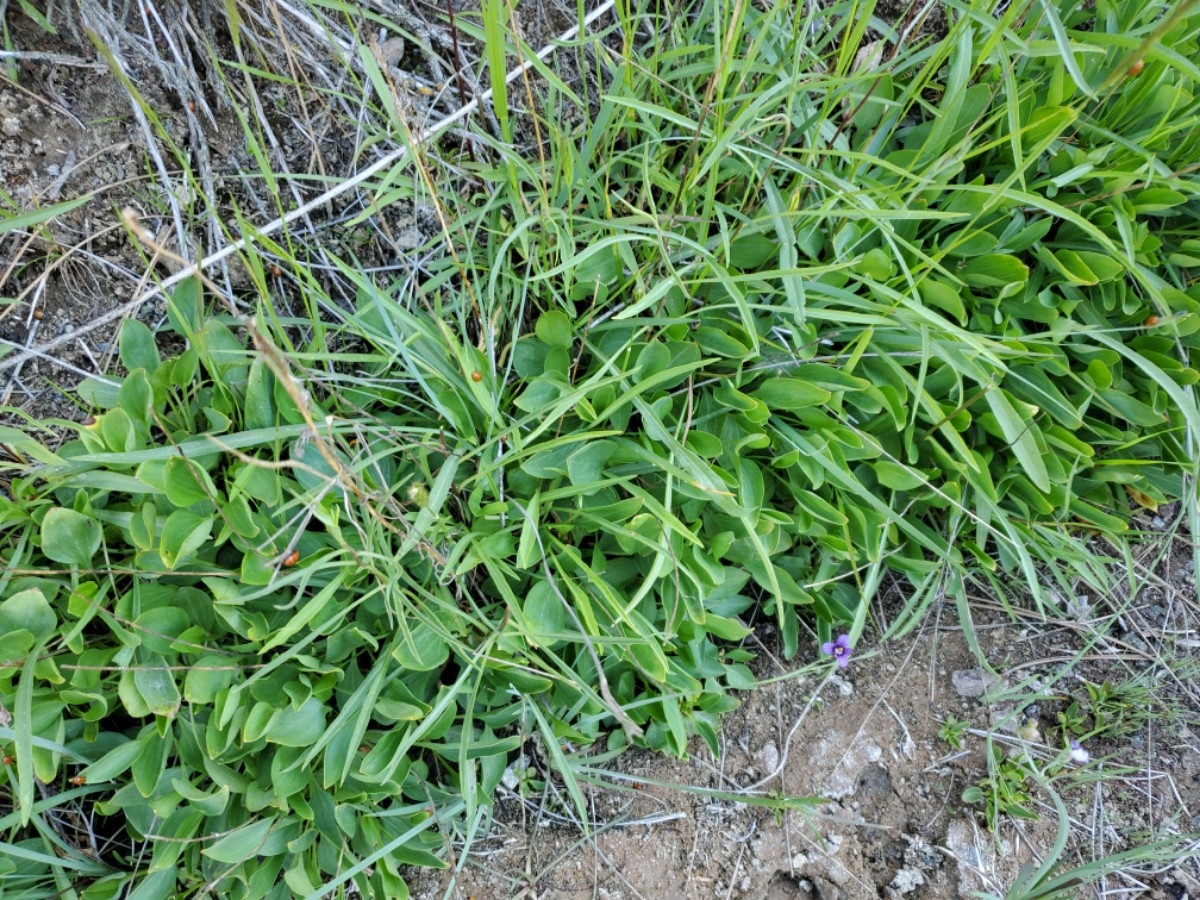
1049, 879
1004, 792
768, 323
1109, 709
952, 731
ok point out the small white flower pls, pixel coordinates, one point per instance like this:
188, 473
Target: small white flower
1078, 754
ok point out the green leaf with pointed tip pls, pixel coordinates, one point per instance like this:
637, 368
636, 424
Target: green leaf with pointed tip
422, 650
586, 465
207, 678
156, 685
137, 347
113, 763
1157, 201
186, 482
37, 217
945, 297
791, 393
183, 308
184, 533
260, 410
1019, 434
897, 477
995, 270
99, 392
159, 884
528, 548
23, 720
136, 397
301, 727
545, 615
240, 844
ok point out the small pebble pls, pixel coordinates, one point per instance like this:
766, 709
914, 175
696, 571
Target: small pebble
907, 881
971, 683
392, 50
11, 126
770, 756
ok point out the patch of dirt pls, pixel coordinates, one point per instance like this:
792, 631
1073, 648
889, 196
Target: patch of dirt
65, 132
166, 138
887, 818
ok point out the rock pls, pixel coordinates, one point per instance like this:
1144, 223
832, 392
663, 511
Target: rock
392, 50
852, 759
906, 881
409, 238
972, 852
971, 683
844, 687
770, 756
1080, 607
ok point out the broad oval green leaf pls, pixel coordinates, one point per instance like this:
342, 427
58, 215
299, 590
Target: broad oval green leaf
421, 650
207, 678
29, 611
553, 328
240, 844
994, 270
113, 763
70, 537
159, 627
301, 727
586, 465
186, 482
1157, 201
544, 614
183, 534
260, 410
791, 393
137, 347
156, 685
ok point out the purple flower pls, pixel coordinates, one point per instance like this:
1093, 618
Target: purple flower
1079, 754
839, 650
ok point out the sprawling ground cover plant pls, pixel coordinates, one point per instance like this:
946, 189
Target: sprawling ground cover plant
786, 310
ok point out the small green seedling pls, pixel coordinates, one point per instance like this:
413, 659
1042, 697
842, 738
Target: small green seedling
952, 731
1005, 790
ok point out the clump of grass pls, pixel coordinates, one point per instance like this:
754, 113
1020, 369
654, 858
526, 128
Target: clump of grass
788, 309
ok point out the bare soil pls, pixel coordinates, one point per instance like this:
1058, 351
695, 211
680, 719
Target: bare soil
888, 818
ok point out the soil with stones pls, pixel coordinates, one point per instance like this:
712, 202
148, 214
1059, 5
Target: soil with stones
887, 817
